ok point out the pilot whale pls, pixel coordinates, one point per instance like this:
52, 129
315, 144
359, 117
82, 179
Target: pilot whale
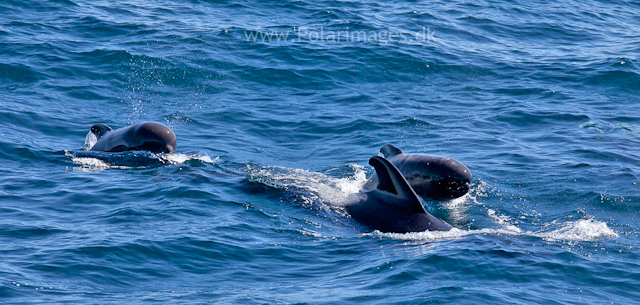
393, 206
430, 176
149, 136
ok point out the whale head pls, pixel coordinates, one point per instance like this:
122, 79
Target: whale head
434, 177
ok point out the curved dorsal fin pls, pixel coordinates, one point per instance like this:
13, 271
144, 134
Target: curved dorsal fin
100, 130
389, 151
390, 180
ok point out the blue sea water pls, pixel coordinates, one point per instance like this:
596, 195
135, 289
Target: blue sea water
278, 106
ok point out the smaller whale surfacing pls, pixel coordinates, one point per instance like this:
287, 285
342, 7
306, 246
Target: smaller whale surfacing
149, 136
430, 176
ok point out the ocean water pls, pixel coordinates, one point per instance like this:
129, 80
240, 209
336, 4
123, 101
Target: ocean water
278, 106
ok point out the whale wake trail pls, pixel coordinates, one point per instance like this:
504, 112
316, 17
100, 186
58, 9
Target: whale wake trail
330, 190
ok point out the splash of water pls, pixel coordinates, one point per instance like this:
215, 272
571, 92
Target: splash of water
318, 187
90, 140
581, 230
570, 232
131, 159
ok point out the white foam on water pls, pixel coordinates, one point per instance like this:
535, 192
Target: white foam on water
178, 158
458, 208
588, 229
89, 164
205, 159
423, 236
573, 231
503, 220
320, 187
581, 230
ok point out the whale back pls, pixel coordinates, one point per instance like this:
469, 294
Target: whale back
154, 137
148, 136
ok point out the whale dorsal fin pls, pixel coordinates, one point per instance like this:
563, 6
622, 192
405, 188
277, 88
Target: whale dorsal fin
100, 130
390, 180
389, 151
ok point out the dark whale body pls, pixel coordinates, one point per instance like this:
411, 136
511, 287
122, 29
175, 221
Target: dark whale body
148, 136
430, 176
392, 206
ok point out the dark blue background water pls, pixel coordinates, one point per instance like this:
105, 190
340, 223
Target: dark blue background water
541, 100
